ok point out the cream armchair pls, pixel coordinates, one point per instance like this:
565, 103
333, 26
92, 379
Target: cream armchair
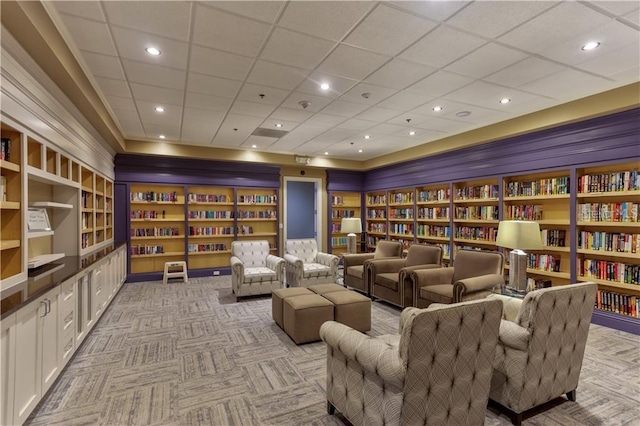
355, 265
437, 371
541, 347
254, 270
305, 265
389, 278
473, 275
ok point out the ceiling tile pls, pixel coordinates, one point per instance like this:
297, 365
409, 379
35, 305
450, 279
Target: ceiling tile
627, 76
289, 114
261, 142
569, 82
228, 32
130, 124
619, 8
138, 72
486, 60
614, 62
333, 136
344, 108
413, 118
337, 85
321, 119
122, 104
214, 86
523, 72
441, 47
478, 114
315, 103
90, 35
194, 132
132, 44
276, 75
327, 19
266, 11
104, 66
213, 103
84, 9
287, 126
633, 17
272, 96
477, 91
218, 63
212, 118
404, 101
379, 114
152, 17
153, 131
171, 116
142, 92
399, 74
432, 9
244, 123
357, 124
440, 83
388, 31
295, 49
111, 87
493, 18
374, 94
444, 125
349, 62
386, 129
251, 108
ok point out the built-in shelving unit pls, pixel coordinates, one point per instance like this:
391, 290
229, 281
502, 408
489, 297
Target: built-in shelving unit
343, 205
433, 216
376, 220
257, 215
401, 216
11, 205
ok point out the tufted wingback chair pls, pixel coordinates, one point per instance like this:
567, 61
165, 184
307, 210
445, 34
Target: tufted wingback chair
254, 270
541, 347
437, 371
306, 265
355, 265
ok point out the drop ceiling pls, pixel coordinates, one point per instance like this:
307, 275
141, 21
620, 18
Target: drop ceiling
230, 68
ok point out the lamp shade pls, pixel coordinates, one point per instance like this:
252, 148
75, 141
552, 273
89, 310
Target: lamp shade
351, 225
519, 234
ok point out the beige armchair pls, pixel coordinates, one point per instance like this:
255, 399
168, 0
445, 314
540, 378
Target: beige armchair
305, 265
389, 278
354, 264
437, 371
541, 347
254, 270
472, 276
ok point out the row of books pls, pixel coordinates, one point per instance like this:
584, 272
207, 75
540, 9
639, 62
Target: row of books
154, 232
433, 213
376, 199
434, 195
477, 212
608, 212
610, 182
400, 214
620, 242
553, 237
152, 196
543, 262
208, 198
433, 231
484, 233
376, 213
5, 149
401, 197
147, 214
548, 186
206, 248
86, 200
339, 214
405, 243
146, 249
524, 212
3, 188
338, 242
611, 271
373, 240
85, 240
477, 192
87, 220
211, 230
401, 228
624, 304
258, 199
211, 214
377, 227
250, 214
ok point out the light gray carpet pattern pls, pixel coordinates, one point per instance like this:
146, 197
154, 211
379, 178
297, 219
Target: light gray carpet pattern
188, 354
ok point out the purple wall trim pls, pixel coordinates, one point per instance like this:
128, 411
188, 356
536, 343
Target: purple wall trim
120, 213
345, 180
610, 138
619, 322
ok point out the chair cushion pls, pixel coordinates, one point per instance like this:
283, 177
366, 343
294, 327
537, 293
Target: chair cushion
356, 271
474, 263
387, 249
388, 280
259, 274
438, 293
315, 270
305, 249
420, 254
252, 253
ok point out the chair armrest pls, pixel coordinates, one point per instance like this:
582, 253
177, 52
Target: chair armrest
237, 264
355, 259
476, 284
434, 276
373, 355
513, 336
289, 258
327, 259
237, 272
510, 306
276, 263
382, 266
405, 317
408, 269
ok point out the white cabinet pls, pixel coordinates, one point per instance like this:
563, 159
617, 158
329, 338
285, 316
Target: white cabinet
50, 340
7, 368
67, 321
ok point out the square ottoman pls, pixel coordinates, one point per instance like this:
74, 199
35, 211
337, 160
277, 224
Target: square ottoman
278, 296
303, 316
326, 288
351, 308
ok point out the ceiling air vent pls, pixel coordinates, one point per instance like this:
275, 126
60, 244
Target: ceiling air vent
269, 133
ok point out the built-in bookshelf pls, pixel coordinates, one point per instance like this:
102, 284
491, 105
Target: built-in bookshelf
343, 205
433, 216
157, 226
210, 225
475, 214
257, 215
544, 198
11, 204
401, 216
608, 234
376, 219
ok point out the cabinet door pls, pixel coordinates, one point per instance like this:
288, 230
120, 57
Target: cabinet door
50, 340
97, 292
28, 388
7, 368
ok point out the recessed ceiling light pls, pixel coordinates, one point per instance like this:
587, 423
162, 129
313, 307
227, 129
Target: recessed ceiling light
437, 108
254, 146
324, 86
161, 136
359, 150
367, 137
326, 153
159, 109
412, 133
152, 51
505, 100
463, 113
591, 45
278, 125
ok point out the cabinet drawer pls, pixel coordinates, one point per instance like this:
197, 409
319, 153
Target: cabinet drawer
67, 348
67, 297
67, 321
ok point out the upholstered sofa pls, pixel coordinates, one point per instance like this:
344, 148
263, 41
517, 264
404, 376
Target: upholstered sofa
389, 278
436, 371
355, 274
541, 347
254, 270
306, 266
473, 275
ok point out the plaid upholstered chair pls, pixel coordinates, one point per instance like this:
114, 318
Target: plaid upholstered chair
542, 341
254, 270
306, 265
437, 371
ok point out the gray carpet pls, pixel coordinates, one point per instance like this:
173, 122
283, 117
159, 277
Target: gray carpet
188, 354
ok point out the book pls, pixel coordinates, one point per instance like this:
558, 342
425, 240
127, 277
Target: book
5, 149
3, 189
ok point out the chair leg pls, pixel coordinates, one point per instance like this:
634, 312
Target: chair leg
571, 395
516, 419
331, 409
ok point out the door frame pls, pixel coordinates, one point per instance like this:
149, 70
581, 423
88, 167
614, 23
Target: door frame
318, 200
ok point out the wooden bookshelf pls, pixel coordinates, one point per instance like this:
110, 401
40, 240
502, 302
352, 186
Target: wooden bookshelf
401, 216
376, 219
433, 216
260, 204
11, 207
343, 205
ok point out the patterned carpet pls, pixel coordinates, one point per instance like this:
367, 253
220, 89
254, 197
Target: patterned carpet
186, 354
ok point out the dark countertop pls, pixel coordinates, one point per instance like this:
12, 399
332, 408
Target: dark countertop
42, 279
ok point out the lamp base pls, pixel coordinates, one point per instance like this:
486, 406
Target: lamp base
518, 270
351, 243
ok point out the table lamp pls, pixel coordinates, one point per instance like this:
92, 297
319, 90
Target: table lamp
353, 226
518, 235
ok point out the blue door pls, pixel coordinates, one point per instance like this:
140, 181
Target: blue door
301, 210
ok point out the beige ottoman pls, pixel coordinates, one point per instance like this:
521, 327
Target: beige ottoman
326, 288
278, 296
351, 308
303, 316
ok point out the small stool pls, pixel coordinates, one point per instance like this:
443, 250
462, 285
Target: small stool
277, 298
326, 288
182, 273
351, 308
303, 316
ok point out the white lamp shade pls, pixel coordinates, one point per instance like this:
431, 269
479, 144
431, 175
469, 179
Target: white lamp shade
519, 234
351, 225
